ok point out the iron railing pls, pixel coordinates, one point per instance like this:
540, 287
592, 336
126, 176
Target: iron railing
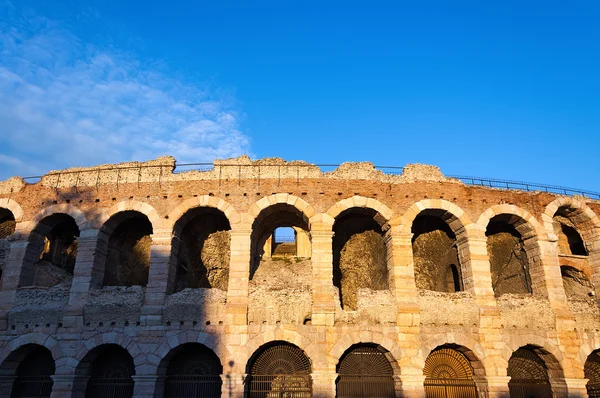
207, 386
450, 388
530, 388
392, 170
355, 386
32, 387
280, 386
110, 388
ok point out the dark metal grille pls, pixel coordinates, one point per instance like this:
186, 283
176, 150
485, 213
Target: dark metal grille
281, 370
110, 375
448, 373
592, 373
529, 375
33, 375
194, 372
365, 372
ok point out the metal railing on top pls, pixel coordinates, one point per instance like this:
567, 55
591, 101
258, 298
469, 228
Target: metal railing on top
394, 170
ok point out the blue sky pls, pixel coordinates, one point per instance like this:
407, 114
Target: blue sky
505, 89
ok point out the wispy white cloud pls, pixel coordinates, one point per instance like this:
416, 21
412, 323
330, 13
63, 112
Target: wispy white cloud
66, 103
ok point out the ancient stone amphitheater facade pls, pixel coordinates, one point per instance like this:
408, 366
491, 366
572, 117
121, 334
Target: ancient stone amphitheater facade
138, 280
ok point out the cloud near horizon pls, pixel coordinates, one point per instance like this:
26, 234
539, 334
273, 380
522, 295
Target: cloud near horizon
65, 103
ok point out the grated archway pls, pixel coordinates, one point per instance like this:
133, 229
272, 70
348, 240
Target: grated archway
365, 371
448, 374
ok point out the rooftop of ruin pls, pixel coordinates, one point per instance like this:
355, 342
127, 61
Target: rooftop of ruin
167, 169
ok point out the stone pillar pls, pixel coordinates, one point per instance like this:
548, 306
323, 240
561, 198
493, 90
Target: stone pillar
11, 276
303, 248
412, 385
475, 265
144, 385
576, 388
497, 386
239, 275
268, 247
233, 385
323, 306
158, 275
83, 275
64, 384
324, 384
547, 261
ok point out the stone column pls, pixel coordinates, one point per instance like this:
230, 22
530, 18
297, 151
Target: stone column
576, 388
144, 385
83, 275
233, 385
497, 386
268, 247
158, 275
239, 275
12, 274
324, 384
475, 264
412, 385
303, 248
323, 306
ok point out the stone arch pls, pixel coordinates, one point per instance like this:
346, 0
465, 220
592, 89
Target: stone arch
454, 366
52, 246
311, 349
360, 226
80, 218
103, 216
348, 340
534, 370
514, 230
125, 231
210, 341
204, 201
37, 339
440, 240
32, 366
553, 356
459, 341
14, 207
280, 198
110, 338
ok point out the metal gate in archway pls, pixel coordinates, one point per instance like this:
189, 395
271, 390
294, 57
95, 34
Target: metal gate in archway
365, 371
592, 373
110, 375
448, 374
195, 372
528, 375
34, 375
280, 371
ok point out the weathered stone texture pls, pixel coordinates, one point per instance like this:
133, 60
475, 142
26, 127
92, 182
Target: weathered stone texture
362, 238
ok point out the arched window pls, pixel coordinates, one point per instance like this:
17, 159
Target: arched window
509, 260
193, 370
201, 249
365, 371
110, 373
279, 370
435, 253
51, 252
448, 373
34, 375
359, 255
592, 373
528, 374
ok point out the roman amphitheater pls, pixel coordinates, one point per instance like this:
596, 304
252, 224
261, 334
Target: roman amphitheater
145, 280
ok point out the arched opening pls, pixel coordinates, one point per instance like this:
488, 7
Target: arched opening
127, 255
51, 252
592, 373
283, 242
110, 369
33, 367
509, 260
576, 284
359, 255
7, 228
449, 373
280, 285
281, 217
528, 374
7, 223
279, 369
435, 253
201, 247
569, 240
365, 371
191, 370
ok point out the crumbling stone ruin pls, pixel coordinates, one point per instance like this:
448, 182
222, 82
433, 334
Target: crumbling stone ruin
139, 279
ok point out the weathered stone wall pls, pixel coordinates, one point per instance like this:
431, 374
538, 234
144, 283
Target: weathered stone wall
297, 300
